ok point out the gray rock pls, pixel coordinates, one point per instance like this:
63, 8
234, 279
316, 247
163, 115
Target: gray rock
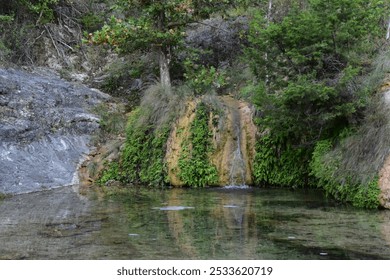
45, 127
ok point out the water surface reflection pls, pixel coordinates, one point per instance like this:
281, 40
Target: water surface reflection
191, 224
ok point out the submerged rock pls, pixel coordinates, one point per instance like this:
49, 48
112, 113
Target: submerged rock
45, 127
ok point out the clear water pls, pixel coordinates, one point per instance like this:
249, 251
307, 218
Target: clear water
225, 223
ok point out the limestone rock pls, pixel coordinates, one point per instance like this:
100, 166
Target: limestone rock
384, 184
45, 126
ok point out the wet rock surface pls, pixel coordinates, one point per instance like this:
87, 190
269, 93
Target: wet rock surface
45, 127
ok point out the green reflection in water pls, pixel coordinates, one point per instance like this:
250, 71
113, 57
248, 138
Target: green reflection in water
189, 224
248, 224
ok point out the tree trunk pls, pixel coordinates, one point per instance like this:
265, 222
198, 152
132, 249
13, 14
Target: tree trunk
163, 58
165, 77
388, 31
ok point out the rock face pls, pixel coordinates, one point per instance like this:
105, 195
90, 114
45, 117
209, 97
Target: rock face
384, 184
384, 173
45, 127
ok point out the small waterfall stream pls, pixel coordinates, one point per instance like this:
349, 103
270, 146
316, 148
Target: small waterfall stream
237, 163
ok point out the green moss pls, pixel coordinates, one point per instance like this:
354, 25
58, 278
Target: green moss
195, 167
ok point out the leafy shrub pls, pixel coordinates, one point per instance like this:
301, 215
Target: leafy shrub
43, 9
202, 79
309, 88
142, 159
279, 163
195, 167
92, 22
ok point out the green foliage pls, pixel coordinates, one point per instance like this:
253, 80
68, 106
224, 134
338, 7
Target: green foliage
202, 79
92, 22
6, 18
156, 24
111, 172
309, 90
159, 26
305, 111
324, 166
278, 163
5, 50
289, 48
195, 167
20, 22
41, 8
303, 114
39, 11
143, 156
142, 159
135, 34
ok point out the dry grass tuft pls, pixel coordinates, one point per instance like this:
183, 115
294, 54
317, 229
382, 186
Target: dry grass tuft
160, 106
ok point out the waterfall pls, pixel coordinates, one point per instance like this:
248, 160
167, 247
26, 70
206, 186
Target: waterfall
237, 163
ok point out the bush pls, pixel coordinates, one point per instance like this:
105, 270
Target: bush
92, 22
43, 9
279, 163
